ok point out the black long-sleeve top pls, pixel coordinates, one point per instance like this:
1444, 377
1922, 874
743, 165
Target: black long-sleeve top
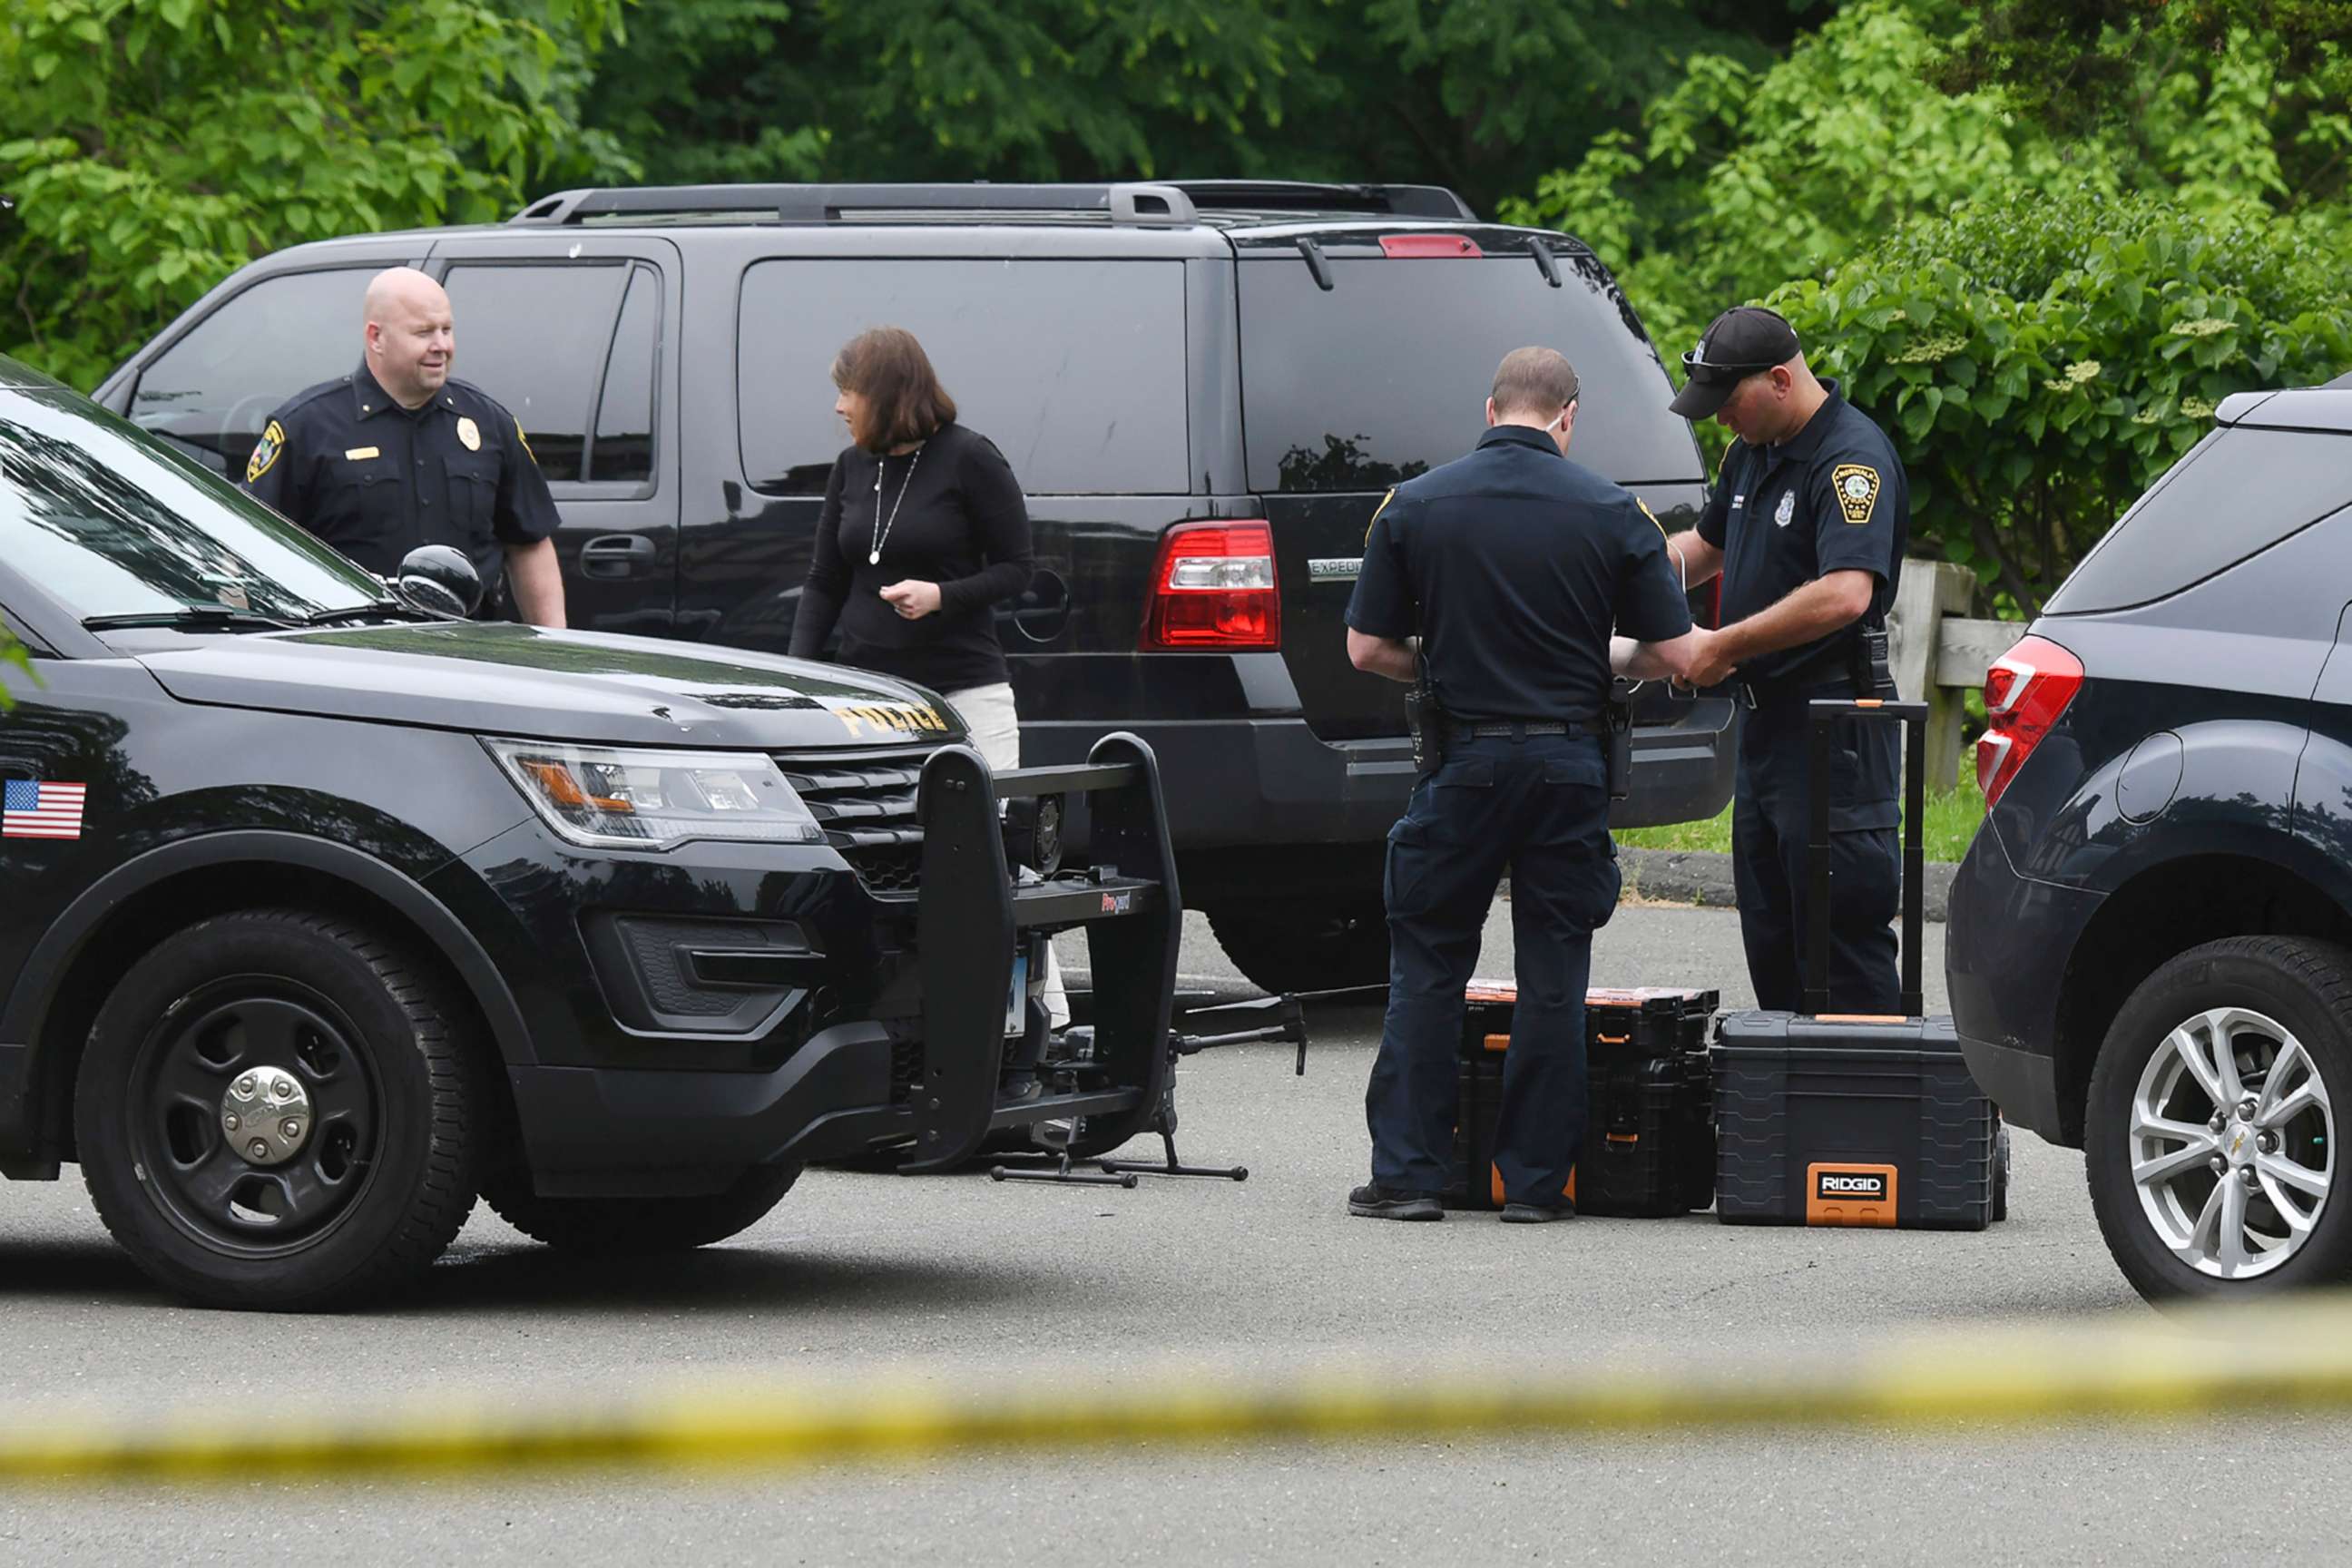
963, 525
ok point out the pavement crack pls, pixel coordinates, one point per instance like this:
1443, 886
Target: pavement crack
1753, 1280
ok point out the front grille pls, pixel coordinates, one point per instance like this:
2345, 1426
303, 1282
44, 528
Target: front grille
865, 802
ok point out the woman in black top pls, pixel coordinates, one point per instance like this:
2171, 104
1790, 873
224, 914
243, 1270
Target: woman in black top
924, 532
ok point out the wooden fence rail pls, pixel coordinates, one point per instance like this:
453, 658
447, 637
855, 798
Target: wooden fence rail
1938, 654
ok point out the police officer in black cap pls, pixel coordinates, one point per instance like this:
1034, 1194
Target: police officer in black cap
1494, 582
397, 455
1807, 524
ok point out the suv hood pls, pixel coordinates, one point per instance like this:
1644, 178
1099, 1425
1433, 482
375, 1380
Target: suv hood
505, 679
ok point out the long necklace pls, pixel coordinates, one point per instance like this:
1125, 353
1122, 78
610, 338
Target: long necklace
874, 556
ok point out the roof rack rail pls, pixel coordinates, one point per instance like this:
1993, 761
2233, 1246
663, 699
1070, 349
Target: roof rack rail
1174, 202
1131, 203
1311, 196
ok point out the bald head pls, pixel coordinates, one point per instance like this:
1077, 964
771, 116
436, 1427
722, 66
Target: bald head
411, 338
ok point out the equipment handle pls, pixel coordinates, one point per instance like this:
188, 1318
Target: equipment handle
1912, 717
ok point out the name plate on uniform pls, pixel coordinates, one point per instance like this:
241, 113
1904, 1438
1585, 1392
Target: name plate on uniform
358, 454
1334, 568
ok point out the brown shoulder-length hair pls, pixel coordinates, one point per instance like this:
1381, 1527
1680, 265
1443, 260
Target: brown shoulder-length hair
904, 399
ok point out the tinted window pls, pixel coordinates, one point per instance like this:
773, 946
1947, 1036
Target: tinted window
217, 386
624, 417
1386, 374
2236, 492
536, 338
114, 524
1075, 369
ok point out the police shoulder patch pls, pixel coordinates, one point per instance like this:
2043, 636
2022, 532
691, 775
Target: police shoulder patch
265, 451
526, 444
1857, 491
1376, 514
1648, 514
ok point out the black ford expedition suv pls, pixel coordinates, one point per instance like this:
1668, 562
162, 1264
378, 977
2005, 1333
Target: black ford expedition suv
1197, 384
319, 916
2150, 939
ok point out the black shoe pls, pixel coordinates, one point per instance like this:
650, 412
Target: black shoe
1373, 1202
1537, 1214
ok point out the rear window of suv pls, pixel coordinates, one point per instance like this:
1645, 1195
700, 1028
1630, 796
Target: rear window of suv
1385, 375
1075, 369
2237, 493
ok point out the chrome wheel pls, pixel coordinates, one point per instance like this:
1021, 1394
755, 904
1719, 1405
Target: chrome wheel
2232, 1143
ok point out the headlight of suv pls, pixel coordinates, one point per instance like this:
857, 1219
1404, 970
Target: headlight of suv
609, 797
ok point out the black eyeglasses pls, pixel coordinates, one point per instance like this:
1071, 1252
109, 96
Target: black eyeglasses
1707, 371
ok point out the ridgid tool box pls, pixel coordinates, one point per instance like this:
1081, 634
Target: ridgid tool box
1648, 1149
1823, 1117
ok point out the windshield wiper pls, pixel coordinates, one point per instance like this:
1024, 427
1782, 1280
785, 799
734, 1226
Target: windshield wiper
195, 618
373, 607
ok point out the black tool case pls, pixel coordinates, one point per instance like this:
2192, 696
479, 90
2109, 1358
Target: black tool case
1649, 1150
1835, 1118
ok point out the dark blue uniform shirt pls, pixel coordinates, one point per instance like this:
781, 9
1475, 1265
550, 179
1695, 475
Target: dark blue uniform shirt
1832, 497
1513, 564
375, 481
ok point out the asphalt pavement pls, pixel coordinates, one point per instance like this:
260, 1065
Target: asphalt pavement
944, 1278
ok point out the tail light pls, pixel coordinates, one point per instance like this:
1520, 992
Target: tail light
2024, 692
1214, 590
1429, 246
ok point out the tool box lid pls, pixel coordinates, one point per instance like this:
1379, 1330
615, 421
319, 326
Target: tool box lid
1835, 1032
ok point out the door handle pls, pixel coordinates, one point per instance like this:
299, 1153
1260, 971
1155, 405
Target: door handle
615, 555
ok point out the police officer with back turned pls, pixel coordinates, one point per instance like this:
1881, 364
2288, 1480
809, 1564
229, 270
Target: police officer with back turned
1493, 583
399, 454
1807, 524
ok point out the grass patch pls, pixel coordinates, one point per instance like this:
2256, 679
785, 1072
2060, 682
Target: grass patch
1951, 822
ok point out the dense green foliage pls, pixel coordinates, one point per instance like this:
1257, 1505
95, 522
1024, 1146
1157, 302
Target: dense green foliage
2038, 238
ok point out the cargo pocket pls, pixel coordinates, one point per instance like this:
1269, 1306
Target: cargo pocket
1405, 868
1862, 780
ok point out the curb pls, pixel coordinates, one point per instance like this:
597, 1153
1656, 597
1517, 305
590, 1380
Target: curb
1703, 877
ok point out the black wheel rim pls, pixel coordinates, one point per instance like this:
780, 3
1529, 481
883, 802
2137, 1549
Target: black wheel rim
179, 1080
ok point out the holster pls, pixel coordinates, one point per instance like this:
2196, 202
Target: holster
1869, 665
1424, 721
1617, 717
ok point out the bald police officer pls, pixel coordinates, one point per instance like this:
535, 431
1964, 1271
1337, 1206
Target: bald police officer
397, 455
1807, 524
1502, 575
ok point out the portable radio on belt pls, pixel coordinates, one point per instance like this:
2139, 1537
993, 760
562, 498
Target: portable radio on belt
1618, 713
1424, 718
1869, 664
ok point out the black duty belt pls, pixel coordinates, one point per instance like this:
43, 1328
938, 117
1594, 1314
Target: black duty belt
1513, 728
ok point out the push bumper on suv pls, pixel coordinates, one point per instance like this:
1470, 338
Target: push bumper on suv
773, 1016
2008, 942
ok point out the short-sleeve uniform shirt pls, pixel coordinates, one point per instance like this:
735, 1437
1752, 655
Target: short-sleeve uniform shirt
1832, 497
1513, 564
375, 481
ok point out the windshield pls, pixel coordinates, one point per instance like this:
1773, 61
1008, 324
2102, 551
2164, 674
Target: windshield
112, 523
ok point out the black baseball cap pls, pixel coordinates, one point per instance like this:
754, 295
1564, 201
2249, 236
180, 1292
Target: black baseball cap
1735, 345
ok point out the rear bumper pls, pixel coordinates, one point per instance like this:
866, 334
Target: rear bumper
2008, 943
1238, 782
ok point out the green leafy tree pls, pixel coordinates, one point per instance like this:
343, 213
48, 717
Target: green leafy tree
153, 146
2038, 364
1482, 96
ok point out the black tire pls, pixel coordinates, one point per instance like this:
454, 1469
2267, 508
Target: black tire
380, 1181
1284, 948
2305, 988
2001, 1155
635, 1226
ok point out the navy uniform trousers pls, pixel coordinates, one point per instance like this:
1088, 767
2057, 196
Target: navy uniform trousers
1771, 824
1538, 806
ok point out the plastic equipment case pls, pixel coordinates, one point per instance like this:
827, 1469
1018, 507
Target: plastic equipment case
1648, 1148
1824, 1118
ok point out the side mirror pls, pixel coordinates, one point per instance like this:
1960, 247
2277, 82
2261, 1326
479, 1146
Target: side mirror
439, 580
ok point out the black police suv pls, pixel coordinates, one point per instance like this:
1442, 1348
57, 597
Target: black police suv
1204, 388
319, 916
2150, 939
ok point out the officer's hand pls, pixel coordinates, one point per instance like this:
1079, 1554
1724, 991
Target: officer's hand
913, 599
1712, 665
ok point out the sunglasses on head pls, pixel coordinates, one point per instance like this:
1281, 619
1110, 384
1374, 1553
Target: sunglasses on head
1706, 370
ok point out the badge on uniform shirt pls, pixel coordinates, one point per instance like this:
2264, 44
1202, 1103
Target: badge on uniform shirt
469, 433
1857, 491
266, 450
1786, 510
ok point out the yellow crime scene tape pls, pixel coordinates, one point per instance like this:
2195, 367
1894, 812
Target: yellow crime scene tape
2269, 1359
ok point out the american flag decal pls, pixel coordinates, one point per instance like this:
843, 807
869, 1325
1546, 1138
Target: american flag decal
30, 810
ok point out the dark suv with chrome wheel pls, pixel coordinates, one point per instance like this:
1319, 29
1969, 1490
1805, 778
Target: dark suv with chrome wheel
2150, 940
320, 917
